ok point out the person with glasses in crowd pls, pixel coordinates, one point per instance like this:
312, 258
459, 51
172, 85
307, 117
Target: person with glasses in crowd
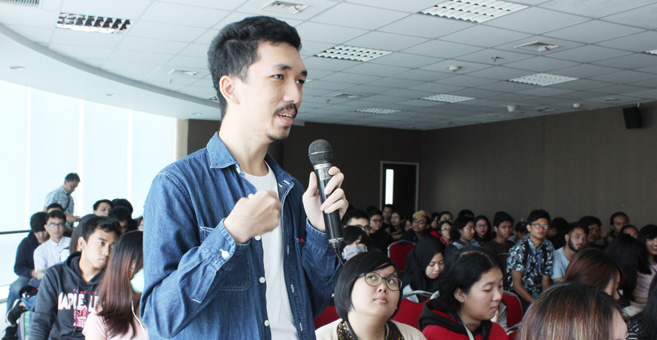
529, 264
367, 296
358, 218
445, 232
49, 253
420, 227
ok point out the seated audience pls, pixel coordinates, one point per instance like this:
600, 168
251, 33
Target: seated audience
420, 227
529, 264
616, 222
354, 242
68, 290
102, 207
626, 251
117, 313
123, 215
380, 238
519, 231
471, 290
647, 265
386, 213
575, 241
423, 266
500, 245
445, 216
445, 232
630, 230
595, 268
358, 218
482, 231
559, 228
595, 230
642, 326
462, 233
397, 228
573, 311
50, 252
367, 296
466, 213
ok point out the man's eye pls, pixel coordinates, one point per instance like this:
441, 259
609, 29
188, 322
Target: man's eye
301, 82
278, 76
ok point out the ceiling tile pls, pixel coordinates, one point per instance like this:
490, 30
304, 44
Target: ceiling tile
581, 85
494, 57
195, 50
36, 34
404, 60
639, 42
124, 9
589, 54
541, 64
436, 87
207, 37
332, 34
327, 85
423, 75
183, 15
642, 17
509, 87
27, 16
350, 78
593, 31
376, 69
442, 49
350, 15
499, 73
585, 71
396, 83
594, 8
421, 25
310, 48
140, 57
618, 89
64, 36
404, 6
131, 70
467, 81
188, 62
328, 64
223, 4
635, 61
466, 67
385, 41
82, 52
369, 89
484, 36
152, 45
155, 30
624, 77
544, 91
406, 93
536, 20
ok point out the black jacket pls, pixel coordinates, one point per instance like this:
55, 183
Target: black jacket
64, 301
24, 264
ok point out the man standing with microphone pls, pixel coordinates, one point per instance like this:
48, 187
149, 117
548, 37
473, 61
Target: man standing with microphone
233, 246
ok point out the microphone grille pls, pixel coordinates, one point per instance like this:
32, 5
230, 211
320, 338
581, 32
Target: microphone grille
320, 152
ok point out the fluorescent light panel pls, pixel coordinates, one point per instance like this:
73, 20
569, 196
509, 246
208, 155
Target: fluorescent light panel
474, 11
345, 52
446, 98
542, 79
91, 23
378, 111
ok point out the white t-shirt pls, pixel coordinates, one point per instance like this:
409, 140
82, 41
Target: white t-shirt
560, 263
281, 321
49, 253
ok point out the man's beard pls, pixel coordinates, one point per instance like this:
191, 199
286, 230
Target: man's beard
286, 131
572, 246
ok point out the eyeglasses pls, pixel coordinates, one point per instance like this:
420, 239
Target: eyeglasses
538, 225
374, 280
51, 225
364, 227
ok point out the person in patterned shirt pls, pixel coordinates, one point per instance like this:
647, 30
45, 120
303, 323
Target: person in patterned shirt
529, 264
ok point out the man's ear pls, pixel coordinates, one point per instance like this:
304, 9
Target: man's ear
81, 244
227, 89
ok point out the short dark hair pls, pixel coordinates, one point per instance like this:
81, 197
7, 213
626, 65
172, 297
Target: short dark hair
99, 202
55, 206
538, 214
520, 227
235, 48
121, 214
616, 214
587, 221
465, 213
373, 212
573, 226
351, 234
106, 224
56, 214
37, 221
122, 202
628, 226
501, 216
462, 270
460, 223
359, 264
354, 213
72, 177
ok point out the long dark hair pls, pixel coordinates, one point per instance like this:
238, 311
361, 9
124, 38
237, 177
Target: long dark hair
646, 319
646, 233
626, 250
117, 300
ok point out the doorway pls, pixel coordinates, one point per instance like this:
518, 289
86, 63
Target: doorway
399, 186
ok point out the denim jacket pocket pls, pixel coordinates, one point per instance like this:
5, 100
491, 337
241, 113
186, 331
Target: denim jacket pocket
236, 272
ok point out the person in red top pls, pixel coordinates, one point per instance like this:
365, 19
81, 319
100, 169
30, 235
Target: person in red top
471, 288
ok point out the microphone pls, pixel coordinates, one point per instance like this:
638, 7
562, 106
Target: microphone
321, 156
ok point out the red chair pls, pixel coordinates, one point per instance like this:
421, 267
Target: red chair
397, 252
514, 335
409, 311
513, 309
329, 315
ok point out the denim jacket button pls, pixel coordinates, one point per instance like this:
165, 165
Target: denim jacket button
266, 323
262, 279
224, 254
257, 238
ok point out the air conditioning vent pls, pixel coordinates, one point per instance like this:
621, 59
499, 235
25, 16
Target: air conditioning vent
28, 3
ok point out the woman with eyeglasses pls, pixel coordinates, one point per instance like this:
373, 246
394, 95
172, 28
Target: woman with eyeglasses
117, 316
482, 231
367, 295
445, 232
471, 288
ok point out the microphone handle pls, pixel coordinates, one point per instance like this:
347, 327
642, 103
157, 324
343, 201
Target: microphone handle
332, 220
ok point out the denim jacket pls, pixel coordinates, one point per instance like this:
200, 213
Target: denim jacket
199, 283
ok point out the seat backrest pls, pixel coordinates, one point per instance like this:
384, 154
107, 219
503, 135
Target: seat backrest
397, 252
409, 312
513, 309
329, 315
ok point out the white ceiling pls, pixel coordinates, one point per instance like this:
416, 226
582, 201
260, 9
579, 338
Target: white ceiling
601, 43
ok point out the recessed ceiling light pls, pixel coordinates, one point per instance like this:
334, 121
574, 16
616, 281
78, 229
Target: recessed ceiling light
284, 7
378, 111
542, 79
474, 11
446, 98
537, 46
344, 52
92, 23
185, 73
17, 68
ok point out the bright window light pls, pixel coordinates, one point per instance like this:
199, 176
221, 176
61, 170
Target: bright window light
390, 183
